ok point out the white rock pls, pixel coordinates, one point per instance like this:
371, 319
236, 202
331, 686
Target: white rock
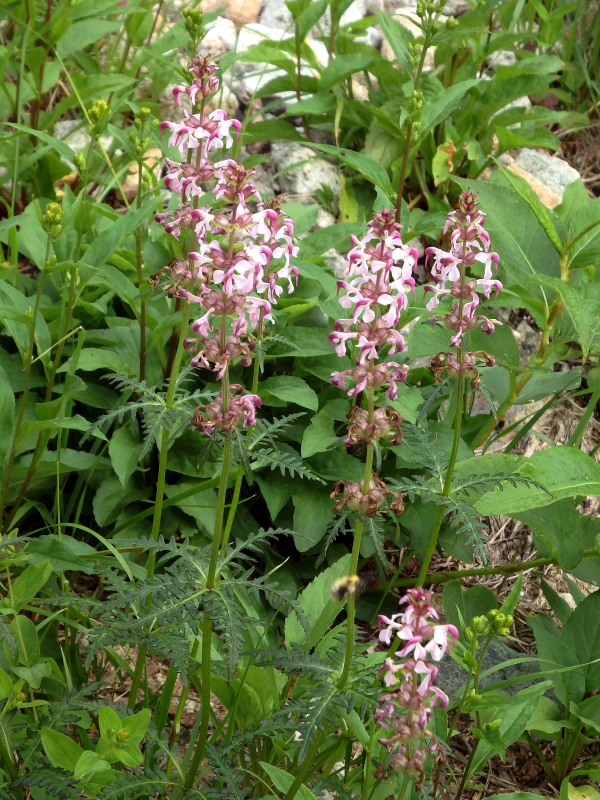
501, 58
302, 171
221, 37
547, 175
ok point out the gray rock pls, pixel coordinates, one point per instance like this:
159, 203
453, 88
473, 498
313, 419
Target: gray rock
451, 677
302, 171
276, 14
552, 171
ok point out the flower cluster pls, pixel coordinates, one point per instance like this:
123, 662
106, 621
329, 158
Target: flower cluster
380, 269
406, 707
380, 274
469, 248
237, 249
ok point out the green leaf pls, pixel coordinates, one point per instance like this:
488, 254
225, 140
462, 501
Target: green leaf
547, 719
7, 408
583, 304
555, 531
283, 781
366, 166
342, 67
65, 554
542, 214
313, 512
584, 232
318, 606
514, 716
35, 673
28, 584
398, 37
89, 765
93, 358
288, 389
581, 635
62, 148
466, 604
438, 108
111, 236
563, 471
319, 436
124, 451
61, 750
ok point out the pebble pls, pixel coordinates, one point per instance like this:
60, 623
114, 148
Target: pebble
547, 175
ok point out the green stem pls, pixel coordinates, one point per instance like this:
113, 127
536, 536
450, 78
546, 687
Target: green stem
211, 579
433, 539
465, 775
160, 492
358, 531
140, 273
7, 760
26, 381
305, 769
409, 133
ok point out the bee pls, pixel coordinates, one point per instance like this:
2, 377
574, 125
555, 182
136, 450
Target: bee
350, 586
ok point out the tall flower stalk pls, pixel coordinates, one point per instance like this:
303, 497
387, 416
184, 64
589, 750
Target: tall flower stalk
236, 262
380, 273
406, 707
451, 270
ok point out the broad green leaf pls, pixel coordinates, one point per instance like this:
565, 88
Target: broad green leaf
398, 38
582, 792
124, 451
85, 32
319, 436
64, 554
283, 781
547, 719
7, 407
318, 606
288, 389
466, 604
438, 108
367, 167
584, 233
563, 471
93, 358
6, 686
56, 144
581, 635
34, 674
542, 214
513, 716
583, 304
29, 582
110, 237
313, 512
555, 530
89, 764
342, 67
61, 750
270, 130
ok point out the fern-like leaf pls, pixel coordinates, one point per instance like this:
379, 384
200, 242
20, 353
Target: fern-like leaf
438, 392
55, 782
425, 447
286, 461
137, 786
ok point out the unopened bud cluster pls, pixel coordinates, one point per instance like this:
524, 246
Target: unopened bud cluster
237, 249
52, 219
468, 251
405, 709
98, 118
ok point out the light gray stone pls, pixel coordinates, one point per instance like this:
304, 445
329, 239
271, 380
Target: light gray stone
302, 171
451, 677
